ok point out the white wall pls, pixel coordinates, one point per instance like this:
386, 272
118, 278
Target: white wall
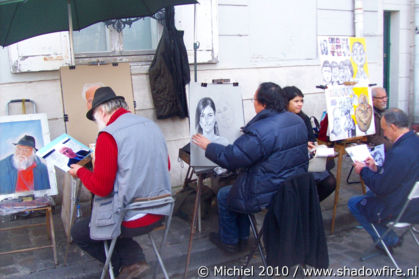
258, 40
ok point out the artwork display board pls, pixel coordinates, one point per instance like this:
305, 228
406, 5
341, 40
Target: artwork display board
216, 111
350, 112
22, 172
74, 82
343, 60
344, 70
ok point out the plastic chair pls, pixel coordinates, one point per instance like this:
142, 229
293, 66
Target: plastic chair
396, 224
141, 204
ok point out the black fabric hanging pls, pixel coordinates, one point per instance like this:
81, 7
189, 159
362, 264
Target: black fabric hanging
169, 72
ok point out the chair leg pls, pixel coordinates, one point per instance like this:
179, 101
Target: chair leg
156, 251
349, 175
257, 236
380, 240
413, 235
108, 264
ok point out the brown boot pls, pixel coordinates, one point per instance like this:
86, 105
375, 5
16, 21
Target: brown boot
133, 271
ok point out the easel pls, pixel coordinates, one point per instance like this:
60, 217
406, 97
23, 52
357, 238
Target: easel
340, 149
196, 215
50, 229
76, 187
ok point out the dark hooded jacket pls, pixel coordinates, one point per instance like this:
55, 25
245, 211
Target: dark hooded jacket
169, 72
272, 148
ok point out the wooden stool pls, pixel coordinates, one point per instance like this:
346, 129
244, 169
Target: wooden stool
50, 230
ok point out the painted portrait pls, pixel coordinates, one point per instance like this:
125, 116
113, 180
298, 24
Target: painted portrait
22, 172
216, 111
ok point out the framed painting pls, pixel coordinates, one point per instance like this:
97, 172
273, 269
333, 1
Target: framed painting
215, 111
22, 172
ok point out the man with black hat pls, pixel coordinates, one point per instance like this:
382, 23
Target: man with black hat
23, 171
131, 161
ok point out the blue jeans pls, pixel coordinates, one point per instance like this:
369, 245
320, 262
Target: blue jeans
232, 226
391, 237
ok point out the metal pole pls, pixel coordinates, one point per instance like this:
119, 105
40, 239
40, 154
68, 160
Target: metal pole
70, 32
195, 46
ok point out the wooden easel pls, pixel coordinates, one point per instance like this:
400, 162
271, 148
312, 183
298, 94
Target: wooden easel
340, 149
49, 223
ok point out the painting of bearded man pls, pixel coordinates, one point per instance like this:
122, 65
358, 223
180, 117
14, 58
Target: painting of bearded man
23, 171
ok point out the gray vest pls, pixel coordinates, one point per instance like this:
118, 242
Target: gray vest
142, 173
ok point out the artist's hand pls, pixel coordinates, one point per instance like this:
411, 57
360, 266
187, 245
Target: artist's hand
358, 166
201, 141
74, 169
371, 164
311, 145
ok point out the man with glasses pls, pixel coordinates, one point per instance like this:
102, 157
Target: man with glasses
379, 100
23, 171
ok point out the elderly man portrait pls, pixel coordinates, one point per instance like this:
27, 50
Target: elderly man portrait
379, 100
390, 184
131, 161
23, 171
272, 148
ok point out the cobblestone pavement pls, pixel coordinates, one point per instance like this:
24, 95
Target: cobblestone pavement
346, 246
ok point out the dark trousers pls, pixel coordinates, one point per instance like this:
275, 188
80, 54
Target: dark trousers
126, 252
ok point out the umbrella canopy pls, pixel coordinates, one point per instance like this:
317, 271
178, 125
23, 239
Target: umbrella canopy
23, 19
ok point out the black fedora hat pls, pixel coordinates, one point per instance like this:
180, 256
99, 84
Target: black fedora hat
102, 95
27, 140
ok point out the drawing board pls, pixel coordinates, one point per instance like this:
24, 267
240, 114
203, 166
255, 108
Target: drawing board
216, 111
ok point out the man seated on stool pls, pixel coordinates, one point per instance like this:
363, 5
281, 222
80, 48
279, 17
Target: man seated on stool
379, 100
131, 162
390, 184
273, 147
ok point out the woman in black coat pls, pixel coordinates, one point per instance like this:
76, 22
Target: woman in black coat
325, 181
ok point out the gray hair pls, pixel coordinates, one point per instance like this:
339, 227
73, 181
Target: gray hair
375, 89
113, 105
397, 117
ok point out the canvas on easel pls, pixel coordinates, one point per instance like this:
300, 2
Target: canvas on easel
344, 70
215, 111
22, 172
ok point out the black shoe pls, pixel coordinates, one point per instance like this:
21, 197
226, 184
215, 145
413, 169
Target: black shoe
229, 248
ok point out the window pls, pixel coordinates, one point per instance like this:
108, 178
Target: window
119, 38
101, 44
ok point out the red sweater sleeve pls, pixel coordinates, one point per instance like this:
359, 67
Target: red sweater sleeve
101, 180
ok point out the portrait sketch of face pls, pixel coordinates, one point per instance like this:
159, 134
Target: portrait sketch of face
216, 112
327, 72
206, 122
358, 54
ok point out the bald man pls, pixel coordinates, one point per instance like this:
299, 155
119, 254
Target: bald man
379, 100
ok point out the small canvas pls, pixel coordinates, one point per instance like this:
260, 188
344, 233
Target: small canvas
215, 111
23, 173
65, 151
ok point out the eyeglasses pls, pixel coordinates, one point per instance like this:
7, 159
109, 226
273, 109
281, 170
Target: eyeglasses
381, 98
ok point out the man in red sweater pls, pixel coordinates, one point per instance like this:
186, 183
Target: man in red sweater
129, 150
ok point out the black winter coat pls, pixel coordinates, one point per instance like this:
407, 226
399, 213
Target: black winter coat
169, 73
293, 231
272, 148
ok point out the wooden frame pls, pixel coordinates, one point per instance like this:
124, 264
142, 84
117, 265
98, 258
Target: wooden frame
49, 223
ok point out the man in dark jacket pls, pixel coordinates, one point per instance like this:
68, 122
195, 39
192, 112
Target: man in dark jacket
272, 148
389, 185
